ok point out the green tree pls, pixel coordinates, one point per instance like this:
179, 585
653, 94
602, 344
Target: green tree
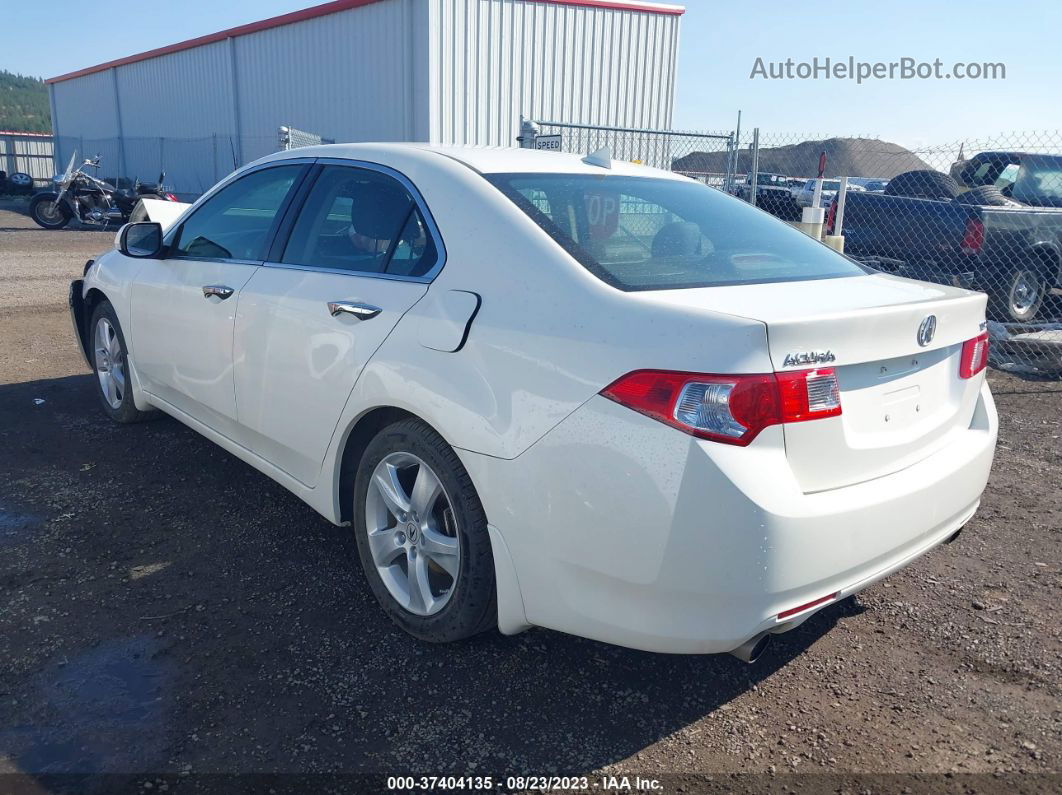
24, 103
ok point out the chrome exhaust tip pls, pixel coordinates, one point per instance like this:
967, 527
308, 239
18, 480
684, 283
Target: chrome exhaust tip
750, 650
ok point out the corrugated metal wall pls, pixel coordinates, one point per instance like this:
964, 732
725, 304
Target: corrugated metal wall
346, 76
495, 59
449, 71
27, 153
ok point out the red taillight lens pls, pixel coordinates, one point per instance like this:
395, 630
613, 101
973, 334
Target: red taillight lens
974, 356
809, 394
171, 197
974, 237
728, 408
831, 217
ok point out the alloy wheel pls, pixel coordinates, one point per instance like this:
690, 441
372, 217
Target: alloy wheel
1024, 293
412, 533
110, 364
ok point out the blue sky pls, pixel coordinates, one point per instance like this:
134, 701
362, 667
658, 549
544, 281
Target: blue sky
720, 42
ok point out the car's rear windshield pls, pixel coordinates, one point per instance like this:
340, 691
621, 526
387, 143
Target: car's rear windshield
645, 233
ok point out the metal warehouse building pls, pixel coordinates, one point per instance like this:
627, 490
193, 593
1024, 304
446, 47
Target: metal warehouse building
445, 71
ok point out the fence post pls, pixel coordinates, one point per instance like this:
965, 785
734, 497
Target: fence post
728, 172
737, 152
528, 133
755, 165
834, 238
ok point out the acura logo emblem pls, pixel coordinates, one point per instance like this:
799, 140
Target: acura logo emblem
927, 330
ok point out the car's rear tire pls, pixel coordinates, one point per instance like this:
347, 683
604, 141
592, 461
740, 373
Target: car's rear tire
422, 535
109, 356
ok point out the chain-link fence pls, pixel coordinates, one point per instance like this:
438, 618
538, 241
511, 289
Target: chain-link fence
984, 214
191, 165
658, 148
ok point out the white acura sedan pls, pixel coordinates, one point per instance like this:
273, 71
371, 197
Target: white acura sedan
556, 391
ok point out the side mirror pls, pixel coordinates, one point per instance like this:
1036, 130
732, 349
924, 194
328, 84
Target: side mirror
140, 240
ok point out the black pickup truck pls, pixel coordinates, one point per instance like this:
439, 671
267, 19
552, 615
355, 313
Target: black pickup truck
997, 228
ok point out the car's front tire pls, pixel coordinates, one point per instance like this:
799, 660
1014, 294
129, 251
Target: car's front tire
110, 357
422, 535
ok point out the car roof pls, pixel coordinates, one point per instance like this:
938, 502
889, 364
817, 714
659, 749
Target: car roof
484, 159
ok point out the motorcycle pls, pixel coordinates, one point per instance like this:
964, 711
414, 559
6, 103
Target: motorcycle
78, 194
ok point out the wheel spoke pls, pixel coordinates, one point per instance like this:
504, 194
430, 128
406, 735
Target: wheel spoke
102, 345
114, 347
110, 390
390, 489
425, 490
383, 547
420, 595
442, 550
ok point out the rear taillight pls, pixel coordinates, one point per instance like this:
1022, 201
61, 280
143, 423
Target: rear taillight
170, 197
974, 356
728, 408
831, 217
974, 237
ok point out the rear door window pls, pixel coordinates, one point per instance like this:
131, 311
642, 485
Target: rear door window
363, 221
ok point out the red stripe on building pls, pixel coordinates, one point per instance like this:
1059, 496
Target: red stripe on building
320, 11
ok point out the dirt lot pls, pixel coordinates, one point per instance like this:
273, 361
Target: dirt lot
168, 610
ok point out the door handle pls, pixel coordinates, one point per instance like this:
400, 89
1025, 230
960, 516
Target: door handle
219, 290
360, 311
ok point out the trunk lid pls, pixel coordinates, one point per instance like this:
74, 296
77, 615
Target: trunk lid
901, 401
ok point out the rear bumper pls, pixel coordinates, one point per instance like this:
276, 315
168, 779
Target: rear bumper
629, 532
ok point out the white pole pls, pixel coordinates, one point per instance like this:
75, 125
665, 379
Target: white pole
838, 221
754, 185
816, 200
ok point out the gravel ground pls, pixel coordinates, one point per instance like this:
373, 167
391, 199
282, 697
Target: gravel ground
168, 610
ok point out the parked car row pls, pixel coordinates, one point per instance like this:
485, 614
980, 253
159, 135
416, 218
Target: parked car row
785, 197
804, 196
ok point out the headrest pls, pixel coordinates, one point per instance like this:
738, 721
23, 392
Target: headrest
677, 239
378, 209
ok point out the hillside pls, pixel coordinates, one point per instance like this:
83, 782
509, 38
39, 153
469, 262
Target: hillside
23, 103
850, 157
